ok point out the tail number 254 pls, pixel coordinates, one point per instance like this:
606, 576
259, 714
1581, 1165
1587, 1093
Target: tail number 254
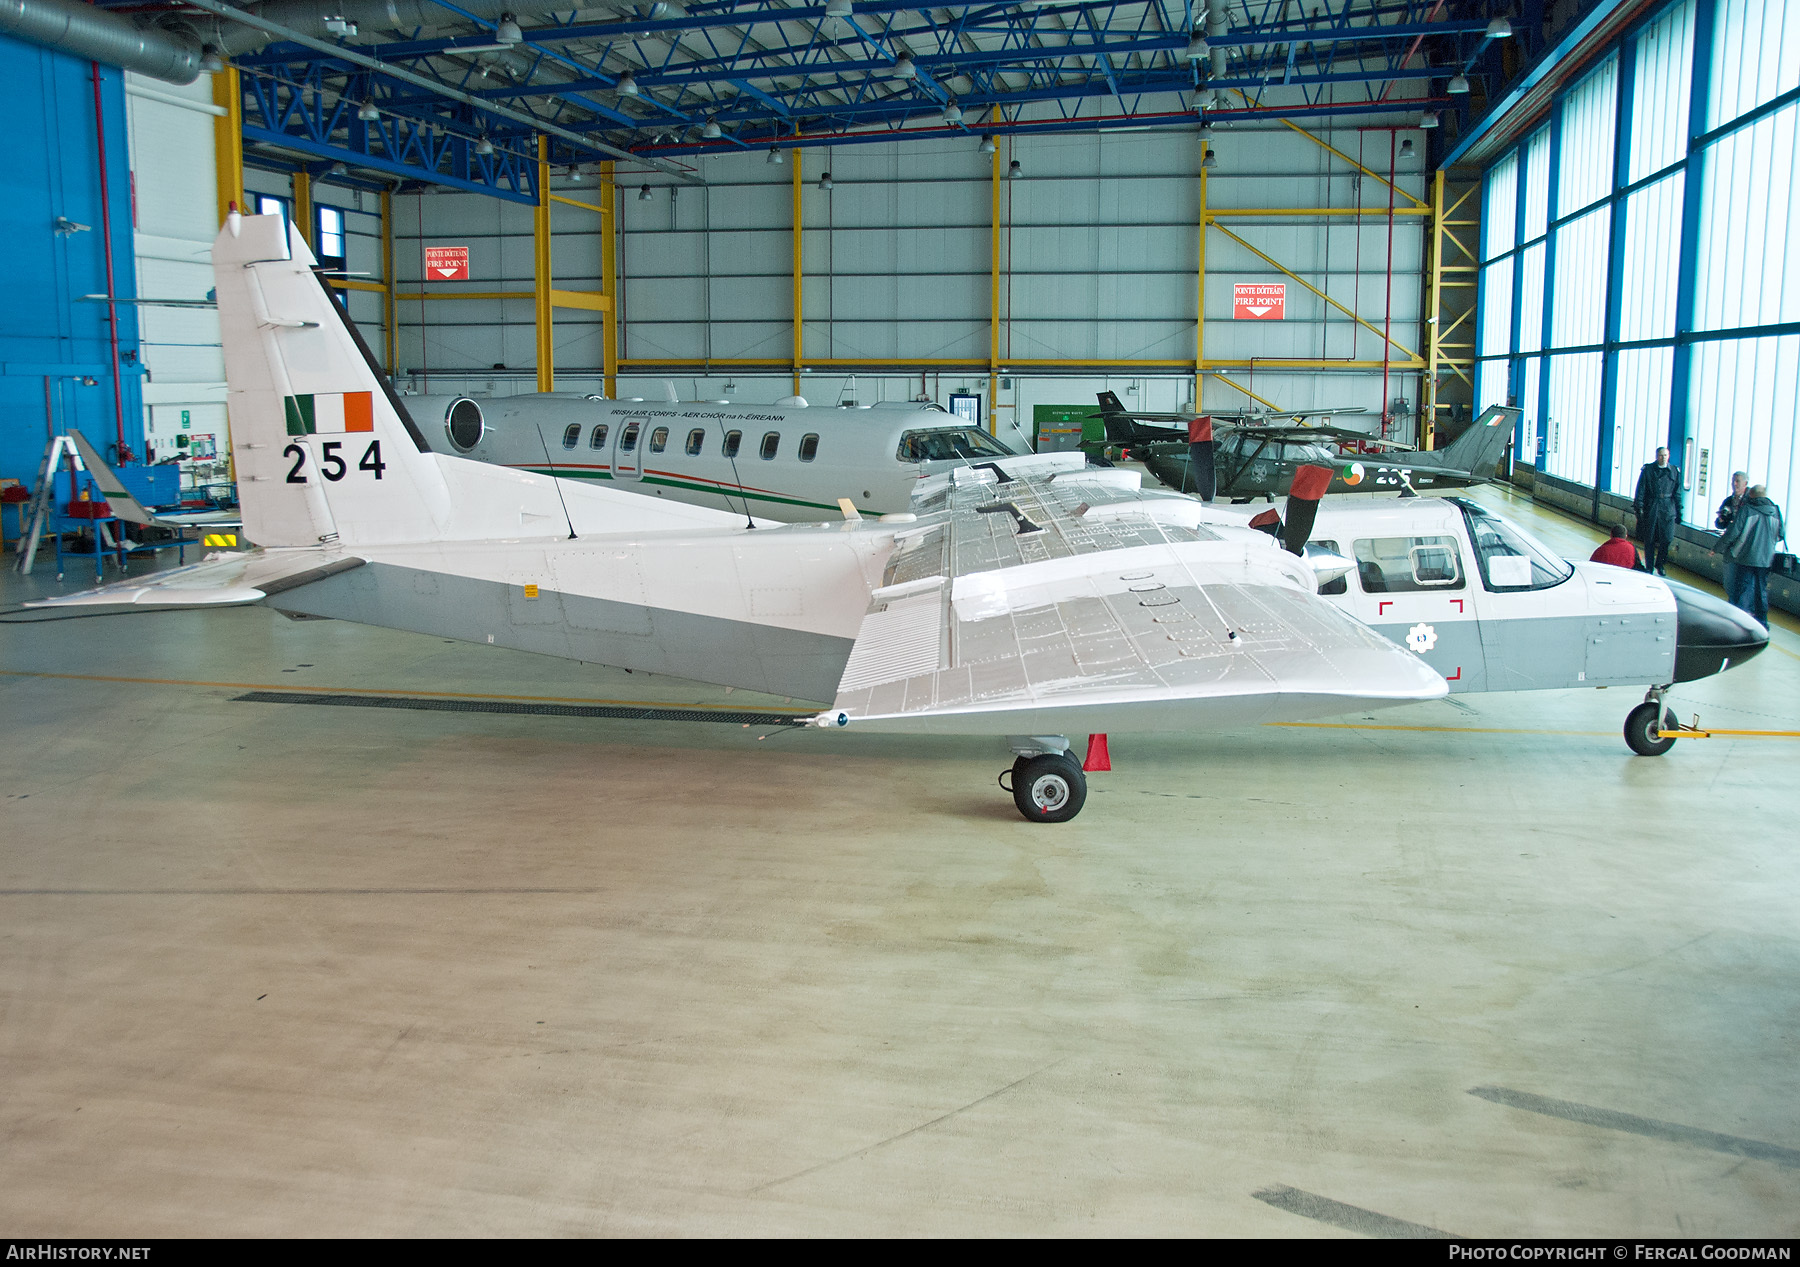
331, 463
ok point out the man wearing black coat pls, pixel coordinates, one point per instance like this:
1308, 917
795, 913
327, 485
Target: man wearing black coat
1658, 505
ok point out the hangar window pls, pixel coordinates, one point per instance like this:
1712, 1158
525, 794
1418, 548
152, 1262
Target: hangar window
331, 238
732, 440
659, 440
1509, 558
571, 435
696, 438
628, 438
809, 447
1406, 565
771, 442
598, 439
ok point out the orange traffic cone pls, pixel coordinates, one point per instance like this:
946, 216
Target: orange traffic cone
1097, 757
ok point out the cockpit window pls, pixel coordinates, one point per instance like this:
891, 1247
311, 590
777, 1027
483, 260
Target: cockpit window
949, 444
1510, 559
1406, 565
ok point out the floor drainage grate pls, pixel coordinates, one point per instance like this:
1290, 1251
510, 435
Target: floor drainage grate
619, 712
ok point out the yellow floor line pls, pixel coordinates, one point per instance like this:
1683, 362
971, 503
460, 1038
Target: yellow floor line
1444, 730
367, 690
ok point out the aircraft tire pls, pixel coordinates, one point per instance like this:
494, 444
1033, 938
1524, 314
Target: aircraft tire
1641, 725
1049, 788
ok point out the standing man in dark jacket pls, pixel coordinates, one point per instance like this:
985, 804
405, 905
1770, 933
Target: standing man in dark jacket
1750, 544
1728, 509
1658, 505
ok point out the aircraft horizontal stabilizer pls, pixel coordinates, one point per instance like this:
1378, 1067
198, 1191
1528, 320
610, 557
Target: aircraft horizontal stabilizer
229, 580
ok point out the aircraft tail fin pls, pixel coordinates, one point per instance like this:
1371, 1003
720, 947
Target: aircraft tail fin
1121, 427
327, 454
1476, 451
123, 504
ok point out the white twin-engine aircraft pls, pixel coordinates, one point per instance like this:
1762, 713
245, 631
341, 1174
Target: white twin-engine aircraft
785, 462
1027, 597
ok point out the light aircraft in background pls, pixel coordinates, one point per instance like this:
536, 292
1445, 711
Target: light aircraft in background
1244, 462
131, 510
785, 462
1026, 597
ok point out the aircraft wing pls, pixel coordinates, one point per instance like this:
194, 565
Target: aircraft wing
128, 508
1037, 605
221, 580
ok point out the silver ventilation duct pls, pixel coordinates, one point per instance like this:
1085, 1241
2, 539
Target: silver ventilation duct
95, 35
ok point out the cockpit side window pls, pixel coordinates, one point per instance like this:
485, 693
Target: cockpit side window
949, 444
1408, 565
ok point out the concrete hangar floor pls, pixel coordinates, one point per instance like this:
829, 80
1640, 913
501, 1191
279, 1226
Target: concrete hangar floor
278, 968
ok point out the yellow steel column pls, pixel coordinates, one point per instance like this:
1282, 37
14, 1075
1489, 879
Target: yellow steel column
228, 141
799, 275
1200, 301
389, 309
993, 391
1433, 335
540, 267
609, 278
303, 211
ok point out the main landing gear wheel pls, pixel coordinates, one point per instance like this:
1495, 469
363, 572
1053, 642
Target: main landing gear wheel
1049, 788
1642, 724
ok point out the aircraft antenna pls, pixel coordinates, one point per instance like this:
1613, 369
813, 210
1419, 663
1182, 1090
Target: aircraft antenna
555, 480
742, 496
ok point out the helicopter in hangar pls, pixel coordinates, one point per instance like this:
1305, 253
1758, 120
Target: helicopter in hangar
1244, 456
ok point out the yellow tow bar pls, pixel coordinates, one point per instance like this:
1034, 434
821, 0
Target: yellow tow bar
1695, 732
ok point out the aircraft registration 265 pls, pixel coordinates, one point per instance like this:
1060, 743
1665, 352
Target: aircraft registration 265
1027, 597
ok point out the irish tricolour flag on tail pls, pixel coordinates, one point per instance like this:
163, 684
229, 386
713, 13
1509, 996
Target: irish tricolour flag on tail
332, 414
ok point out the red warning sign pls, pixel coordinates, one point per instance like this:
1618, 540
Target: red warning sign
447, 263
1258, 301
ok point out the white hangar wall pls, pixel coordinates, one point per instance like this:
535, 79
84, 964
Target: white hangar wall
1098, 250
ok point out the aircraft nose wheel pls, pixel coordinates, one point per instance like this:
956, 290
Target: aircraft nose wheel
1049, 788
1642, 724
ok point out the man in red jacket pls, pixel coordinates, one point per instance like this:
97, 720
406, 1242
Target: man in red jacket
1619, 551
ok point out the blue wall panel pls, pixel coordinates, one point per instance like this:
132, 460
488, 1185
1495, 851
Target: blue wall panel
46, 331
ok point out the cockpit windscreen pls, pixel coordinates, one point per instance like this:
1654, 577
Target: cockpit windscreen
950, 444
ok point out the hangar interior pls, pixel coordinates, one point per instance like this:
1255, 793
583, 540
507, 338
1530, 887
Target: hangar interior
515, 951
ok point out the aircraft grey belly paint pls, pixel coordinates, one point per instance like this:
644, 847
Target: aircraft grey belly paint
789, 463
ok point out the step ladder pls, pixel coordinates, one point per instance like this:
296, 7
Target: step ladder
43, 503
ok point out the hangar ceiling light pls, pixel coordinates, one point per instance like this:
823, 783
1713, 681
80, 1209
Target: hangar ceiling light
1459, 85
644, 194
775, 155
627, 85
1499, 29
987, 145
904, 68
367, 112
825, 182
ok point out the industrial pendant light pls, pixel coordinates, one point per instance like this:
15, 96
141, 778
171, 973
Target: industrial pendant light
987, 145
1429, 119
1196, 48
367, 112
1209, 161
644, 194
775, 155
1499, 29
484, 147
825, 182
711, 131
1406, 148
952, 115
1013, 170
904, 68
1459, 86
574, 175
508, 32
627, 85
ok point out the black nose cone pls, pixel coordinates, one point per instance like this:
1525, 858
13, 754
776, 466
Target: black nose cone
1710, 634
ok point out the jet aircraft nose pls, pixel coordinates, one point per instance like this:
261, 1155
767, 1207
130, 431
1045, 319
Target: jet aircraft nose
1710, 634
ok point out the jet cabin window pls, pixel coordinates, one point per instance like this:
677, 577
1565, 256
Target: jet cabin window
732, 440
809, 447
1510, 561
1407, 565
598, 439
771, 442
659, 440
571, 435
628, 441
696, 438
949, 444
